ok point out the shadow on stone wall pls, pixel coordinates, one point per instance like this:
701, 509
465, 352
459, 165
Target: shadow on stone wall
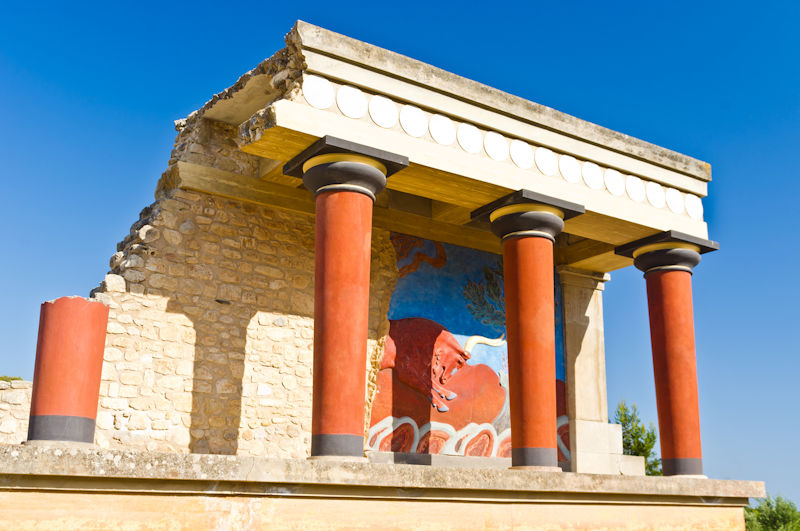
219, 360
248, 260
227, 288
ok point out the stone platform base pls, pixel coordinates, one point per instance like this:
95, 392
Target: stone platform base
75, 488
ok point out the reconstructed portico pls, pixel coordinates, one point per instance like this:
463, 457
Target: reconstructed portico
471, 147
389, 179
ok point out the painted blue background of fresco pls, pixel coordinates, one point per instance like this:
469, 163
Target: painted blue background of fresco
437, 294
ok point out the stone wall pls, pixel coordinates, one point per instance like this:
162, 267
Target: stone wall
210, 333
91, 488
15, 406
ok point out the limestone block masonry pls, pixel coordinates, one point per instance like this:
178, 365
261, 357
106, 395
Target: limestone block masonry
209, 345
15, 405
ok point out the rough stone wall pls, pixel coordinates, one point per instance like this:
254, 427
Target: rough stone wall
15, 407
210, 333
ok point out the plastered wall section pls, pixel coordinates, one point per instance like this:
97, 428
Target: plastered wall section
210, 334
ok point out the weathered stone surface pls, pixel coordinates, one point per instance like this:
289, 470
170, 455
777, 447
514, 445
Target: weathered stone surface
55, 461
15, 405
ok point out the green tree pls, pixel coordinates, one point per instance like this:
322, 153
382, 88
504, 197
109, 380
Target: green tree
9, 378
772, 514
636, 439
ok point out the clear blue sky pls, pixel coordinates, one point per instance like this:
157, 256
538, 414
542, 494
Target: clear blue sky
88, 94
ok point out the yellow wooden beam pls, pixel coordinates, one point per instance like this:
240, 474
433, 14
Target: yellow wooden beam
232, 185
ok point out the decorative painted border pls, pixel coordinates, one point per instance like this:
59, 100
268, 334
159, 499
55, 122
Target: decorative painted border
321, 94
459, 439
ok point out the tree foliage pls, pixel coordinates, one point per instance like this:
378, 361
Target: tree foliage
636, 439
9, 378
772, 514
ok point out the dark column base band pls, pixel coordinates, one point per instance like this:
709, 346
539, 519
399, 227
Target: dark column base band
534, 457
686, 466
337, 444
61, 428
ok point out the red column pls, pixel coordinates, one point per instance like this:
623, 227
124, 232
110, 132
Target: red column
345, 178
668, 259
528, 223
530, 326
669, 298
66, 379
341, 308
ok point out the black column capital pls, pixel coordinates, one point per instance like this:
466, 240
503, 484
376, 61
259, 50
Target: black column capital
667, 251
525, 213
333, 164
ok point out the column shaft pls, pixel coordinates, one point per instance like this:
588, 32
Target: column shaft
528, 223
669, 297
341, 308
530, 325
66, 379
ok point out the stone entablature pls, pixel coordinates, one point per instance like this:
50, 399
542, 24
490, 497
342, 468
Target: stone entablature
468, 144
346, 100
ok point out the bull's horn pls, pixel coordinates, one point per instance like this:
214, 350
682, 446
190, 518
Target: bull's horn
481, 340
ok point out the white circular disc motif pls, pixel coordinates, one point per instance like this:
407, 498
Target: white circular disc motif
694, 207
351, 101
546, 161
570, 168
675, 200
469, 138
615, 183
592, 175
318, 91
413, 120
521, 154
635, 188
442, 129
496, 146
655, 194
383, 111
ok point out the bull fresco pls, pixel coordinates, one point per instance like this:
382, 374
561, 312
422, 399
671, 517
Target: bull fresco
442, 387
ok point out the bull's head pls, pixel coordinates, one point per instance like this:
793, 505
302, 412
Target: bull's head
449, 357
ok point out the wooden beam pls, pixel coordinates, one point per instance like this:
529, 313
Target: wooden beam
448, 175
276, 176
603, 263
582, 250
235, 186
450, 213
232, 185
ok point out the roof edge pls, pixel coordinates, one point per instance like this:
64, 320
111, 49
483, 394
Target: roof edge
417, 72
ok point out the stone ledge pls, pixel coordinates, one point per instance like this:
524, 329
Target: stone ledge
25, 467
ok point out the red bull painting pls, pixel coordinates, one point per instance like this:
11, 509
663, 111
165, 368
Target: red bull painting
442, 387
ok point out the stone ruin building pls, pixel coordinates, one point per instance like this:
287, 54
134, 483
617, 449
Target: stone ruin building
355, 263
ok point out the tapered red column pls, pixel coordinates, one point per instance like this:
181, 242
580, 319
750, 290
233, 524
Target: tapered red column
667, 263
66, 378
345, 182
530, 326
528, 224
341, 303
